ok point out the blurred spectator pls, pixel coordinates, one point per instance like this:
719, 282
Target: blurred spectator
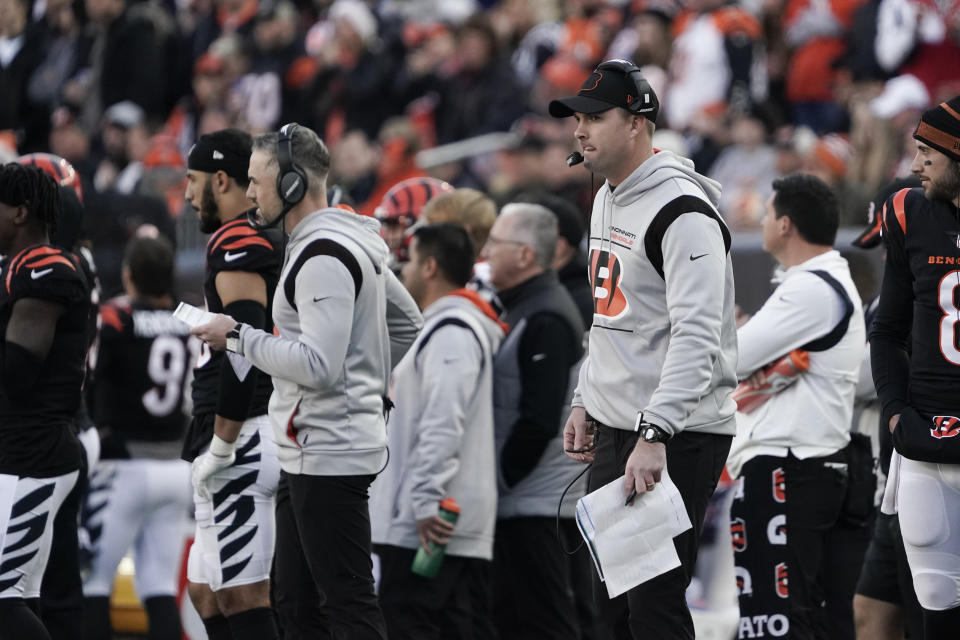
647, 39
210, 84
451, 11
353, 165
828, 161
63, 38
398, 149
164, 173
560, 75
349, 88
746, 169
276, 45
717, 61
21, 52
69, 141
477, 90
520, 166
205, 21
920, 39
124, 141
815, 30
119, 60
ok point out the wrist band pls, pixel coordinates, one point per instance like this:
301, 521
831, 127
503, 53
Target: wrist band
221, 448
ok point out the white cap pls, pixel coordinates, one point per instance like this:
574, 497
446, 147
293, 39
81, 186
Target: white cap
358, 15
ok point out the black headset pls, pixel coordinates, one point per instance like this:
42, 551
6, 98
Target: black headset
634, 73
291, 179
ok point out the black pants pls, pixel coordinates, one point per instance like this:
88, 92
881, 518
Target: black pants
580, 565
784, 522
532, 592
324, 574
658, 608
454, 605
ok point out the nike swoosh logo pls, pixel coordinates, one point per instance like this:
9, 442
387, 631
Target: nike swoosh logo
449, 360
537, 357
320, 298
36, 275
230, 257
693, 257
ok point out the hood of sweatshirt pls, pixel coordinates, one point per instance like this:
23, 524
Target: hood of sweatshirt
466, 299
660, 167
362, 230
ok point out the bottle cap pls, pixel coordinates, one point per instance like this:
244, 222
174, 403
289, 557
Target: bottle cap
449, 504
800, 359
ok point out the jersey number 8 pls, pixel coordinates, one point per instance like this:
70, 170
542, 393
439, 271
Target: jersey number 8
951, 317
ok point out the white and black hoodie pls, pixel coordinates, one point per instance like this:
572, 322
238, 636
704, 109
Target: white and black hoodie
663, 340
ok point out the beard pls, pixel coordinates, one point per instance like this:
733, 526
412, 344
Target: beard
209, 211
948, 187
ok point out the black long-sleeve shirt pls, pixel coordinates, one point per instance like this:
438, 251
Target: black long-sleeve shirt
915, 339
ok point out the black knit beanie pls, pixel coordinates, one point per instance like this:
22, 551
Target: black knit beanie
939, 127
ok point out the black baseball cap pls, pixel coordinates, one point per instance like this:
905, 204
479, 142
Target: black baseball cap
614, 83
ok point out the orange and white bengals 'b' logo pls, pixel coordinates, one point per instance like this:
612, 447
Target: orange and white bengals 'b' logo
738, 534
945, 427
779, 485
781, 580
605, 275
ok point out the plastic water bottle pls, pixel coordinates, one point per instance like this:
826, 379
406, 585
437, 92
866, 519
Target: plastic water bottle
780, 374
428, 565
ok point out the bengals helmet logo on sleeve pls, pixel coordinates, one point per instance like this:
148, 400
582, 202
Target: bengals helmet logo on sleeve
738, 534
605, 276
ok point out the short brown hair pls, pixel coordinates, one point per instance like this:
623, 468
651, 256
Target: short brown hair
469, 208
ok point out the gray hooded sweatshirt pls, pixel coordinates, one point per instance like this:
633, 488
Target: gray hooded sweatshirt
441, 431
663, 340
330, 361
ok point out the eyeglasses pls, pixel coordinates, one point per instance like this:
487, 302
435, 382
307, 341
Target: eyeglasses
493, 240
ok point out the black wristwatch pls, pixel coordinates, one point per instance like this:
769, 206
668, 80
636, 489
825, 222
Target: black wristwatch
233, 339
650, 432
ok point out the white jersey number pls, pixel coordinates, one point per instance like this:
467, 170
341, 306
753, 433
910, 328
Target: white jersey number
166, 366
951, 317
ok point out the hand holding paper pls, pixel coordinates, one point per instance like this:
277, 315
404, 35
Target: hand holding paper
212, 329
631, 545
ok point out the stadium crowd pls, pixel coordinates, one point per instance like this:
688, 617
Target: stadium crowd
464, 273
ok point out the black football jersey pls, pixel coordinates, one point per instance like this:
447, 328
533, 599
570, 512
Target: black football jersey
33, 427
921, 298
141, 374
235, 246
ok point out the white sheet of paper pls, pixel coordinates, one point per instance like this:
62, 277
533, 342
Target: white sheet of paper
191, 315
633, 544
194, 317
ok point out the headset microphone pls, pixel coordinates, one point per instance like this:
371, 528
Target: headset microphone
574, 159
